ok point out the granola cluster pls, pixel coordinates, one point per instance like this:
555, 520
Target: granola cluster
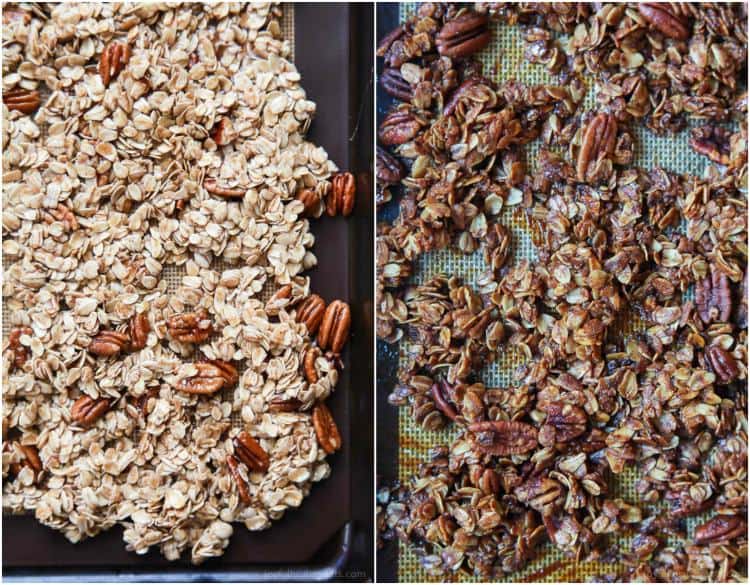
146, 145
533, 462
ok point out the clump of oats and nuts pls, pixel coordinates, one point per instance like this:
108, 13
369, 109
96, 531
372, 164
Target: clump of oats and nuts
534, 462
145, 144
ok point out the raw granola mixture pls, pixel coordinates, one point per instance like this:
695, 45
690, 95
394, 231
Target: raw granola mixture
144, 143
533, 463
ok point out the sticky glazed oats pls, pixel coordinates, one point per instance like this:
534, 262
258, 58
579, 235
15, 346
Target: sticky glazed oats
147, 145
613, 294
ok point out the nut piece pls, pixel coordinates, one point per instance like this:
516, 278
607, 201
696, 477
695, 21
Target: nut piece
440, 394
723, 364
719, 529
242, 487
398, 127
212, 187
194, 327
139, 329
30, 459
326, 429
395, 85
663, 19
598, 142
712, 142
334, 330
504, 438
310, 200
109, 343
464, 35
86, 410
249, 451
212, 376
310, 312
284, 405
460, 92
113, 60
308, 364
141, 402
13, 14
564, 423
20, 352
340, 199
282, 299
22, 100
220, 133
389, 170
713, 297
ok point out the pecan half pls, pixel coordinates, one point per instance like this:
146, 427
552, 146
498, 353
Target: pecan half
464, 35
139, 329
459, 93
439, 393
220, 133
212, 376
193, 327
334, 329
242, 487
720, 529
598, 142
113, 60
564, 423
13, 14
504, 438
398, 127
540, 493
109, 343
284, 405
326, 429
310, 312
662, 18
86, 410
141, 402
389, 39
683, 505
226, 192
713, 298
741, 306
249, 451
340, 198
308, 364
395, 85
723, 364
712, 142
310, 200
389, 170
22, 100
20, 352
30, 459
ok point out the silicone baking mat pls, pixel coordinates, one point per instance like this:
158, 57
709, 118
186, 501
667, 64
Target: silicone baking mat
504, 60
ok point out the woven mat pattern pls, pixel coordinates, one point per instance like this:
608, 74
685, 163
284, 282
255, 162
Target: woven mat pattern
504, 60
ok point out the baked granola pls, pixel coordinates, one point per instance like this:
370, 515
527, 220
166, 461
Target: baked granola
532, 463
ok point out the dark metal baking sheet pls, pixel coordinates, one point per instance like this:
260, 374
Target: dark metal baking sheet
330, 535
387, 354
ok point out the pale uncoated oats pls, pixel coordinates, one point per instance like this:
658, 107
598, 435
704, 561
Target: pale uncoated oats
106, 186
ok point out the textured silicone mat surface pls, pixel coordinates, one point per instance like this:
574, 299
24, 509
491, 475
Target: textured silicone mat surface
504, 60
